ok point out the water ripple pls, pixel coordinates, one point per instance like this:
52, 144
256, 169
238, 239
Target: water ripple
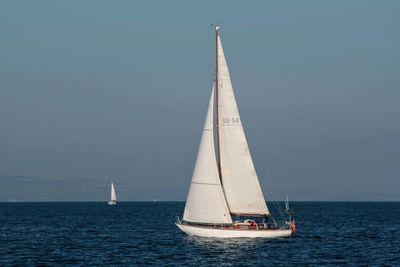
143, 233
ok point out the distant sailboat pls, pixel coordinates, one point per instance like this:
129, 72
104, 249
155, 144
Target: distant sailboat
113, 200
228, 185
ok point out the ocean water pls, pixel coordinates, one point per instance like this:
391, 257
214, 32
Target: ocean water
143, 233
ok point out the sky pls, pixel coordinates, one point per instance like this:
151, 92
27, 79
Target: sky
99, 91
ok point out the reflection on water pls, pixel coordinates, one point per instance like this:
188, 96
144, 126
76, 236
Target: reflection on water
233, 250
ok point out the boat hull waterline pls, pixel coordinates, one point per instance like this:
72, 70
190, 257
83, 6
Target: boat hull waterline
203, 231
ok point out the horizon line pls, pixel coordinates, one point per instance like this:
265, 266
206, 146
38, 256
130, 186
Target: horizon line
153, 201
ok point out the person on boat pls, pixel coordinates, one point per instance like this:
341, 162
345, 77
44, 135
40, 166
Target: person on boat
293, 226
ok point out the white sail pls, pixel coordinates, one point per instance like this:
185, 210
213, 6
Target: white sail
113, 195
206, 202
239, 178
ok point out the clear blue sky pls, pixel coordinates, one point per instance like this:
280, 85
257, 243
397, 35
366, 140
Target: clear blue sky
94, 91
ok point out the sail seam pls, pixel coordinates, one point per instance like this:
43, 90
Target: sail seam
204, 183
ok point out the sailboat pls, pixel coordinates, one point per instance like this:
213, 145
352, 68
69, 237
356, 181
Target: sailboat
225, 184
113, 199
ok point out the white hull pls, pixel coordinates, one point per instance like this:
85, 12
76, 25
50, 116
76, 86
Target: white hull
202, 231
112, 202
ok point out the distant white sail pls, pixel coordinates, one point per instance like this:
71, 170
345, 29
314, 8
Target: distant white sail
205, 202
113, 195
239, 178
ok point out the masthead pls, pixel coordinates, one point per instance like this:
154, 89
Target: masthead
216, 26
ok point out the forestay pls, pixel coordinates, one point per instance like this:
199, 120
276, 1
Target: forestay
205, 202
239, 178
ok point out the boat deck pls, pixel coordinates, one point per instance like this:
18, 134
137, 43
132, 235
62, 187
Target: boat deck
239, 226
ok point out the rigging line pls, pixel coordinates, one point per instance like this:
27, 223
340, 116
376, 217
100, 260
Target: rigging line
277, 203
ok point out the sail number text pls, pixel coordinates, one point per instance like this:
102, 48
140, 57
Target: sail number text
230, 120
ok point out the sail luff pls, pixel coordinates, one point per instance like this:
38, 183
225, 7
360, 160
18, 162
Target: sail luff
239, 178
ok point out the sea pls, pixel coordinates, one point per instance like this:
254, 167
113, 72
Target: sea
144, 234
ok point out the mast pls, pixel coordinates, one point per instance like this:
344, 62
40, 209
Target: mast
216, 100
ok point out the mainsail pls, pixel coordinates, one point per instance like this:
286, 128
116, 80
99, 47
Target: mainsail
239, 178
113, 196
205, 202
